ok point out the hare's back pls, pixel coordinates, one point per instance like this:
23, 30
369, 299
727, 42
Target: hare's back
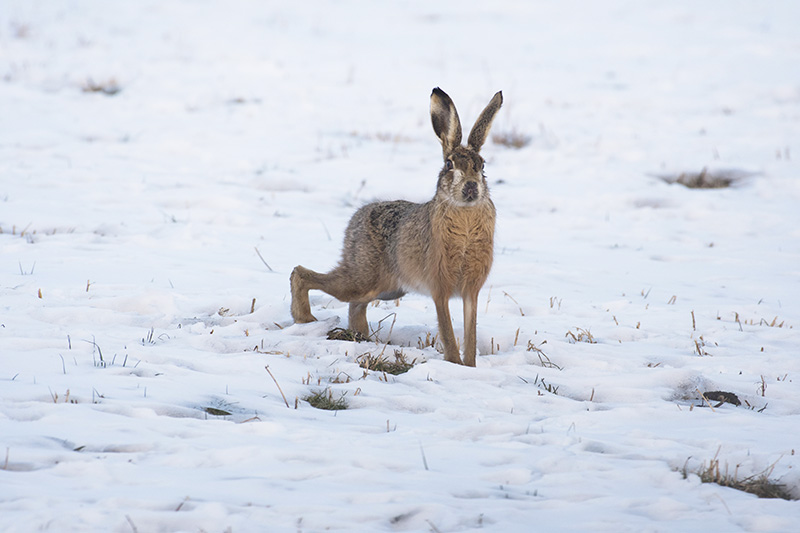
380, 221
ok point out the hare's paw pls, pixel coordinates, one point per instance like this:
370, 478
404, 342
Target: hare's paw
302, 316
302, 313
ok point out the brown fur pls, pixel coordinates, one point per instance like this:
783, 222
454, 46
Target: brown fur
443, 247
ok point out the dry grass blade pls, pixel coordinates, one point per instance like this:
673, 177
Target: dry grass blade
703, 396
521, 312
580, 335
279, 387
130, 522
543, 358
429, 341
262, 260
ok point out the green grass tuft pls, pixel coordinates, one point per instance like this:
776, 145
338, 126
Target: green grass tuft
323, 399
379, 363
341, 334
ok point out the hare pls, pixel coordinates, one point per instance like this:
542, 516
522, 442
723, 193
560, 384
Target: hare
442, 248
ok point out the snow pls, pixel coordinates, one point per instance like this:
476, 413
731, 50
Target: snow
133, 297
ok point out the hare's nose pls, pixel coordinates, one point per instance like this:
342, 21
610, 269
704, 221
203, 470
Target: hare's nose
470, 191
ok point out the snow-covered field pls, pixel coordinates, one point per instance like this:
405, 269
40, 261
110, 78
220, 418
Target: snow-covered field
135, 309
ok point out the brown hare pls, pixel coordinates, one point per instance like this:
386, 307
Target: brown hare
442, 248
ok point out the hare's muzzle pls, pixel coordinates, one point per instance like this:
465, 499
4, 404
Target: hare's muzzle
470, 191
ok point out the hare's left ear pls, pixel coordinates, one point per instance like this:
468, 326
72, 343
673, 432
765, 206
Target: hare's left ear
480, 131
446, 123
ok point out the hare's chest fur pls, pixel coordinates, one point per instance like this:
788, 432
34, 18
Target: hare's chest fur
463, 245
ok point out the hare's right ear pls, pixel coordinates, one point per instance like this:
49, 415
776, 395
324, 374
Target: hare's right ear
481, 128
446, 123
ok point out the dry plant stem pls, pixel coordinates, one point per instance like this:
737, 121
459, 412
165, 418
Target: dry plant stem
703, 396
130, 522
391, 329
387, 340
180, 505
279, 387
424, 460
516, 302
262, 260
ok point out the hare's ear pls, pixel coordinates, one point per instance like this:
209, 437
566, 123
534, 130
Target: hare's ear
445, 121
480, 131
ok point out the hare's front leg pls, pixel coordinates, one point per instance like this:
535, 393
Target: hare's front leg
470, 327
446, 329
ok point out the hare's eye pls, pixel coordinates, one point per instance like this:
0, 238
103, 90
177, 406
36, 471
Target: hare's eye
448, 165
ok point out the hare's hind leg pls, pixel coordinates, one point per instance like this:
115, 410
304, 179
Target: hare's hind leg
302, 280
338, 284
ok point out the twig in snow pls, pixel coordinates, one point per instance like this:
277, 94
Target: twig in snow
279, 387
180, 505
133, 526
262, 260
328, 233
424, 460
93, 342
389, 337
703, 396
516, 302
23, 273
